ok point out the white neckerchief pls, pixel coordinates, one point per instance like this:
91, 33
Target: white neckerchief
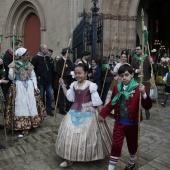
124, 87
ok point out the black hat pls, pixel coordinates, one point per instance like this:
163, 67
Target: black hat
85, 53
124, 52
64, 50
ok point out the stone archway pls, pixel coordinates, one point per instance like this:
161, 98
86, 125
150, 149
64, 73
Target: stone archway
18, 16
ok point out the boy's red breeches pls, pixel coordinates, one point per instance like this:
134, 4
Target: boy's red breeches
121, 131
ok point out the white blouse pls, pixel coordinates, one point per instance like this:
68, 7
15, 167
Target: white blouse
116, 68
165, 59
95, 98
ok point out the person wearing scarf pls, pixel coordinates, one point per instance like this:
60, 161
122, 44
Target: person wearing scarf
125, 102
7, 59
44, 73
29, 110
136, 65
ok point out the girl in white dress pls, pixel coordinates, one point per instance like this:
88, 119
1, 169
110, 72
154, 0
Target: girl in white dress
80, 136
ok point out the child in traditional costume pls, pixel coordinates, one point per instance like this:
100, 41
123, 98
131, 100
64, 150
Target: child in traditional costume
29, 111
125, 102
80, 136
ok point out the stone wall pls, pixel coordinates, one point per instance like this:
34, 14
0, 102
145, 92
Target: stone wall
59, 17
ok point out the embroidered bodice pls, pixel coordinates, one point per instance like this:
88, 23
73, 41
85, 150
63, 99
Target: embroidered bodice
81, 96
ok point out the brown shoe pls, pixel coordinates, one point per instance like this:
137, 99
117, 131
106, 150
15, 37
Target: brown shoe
50, 113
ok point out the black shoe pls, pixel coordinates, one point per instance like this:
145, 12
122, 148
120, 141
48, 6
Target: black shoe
163, 104
147, 114
63, 112
50, 113
129, 168
2, 147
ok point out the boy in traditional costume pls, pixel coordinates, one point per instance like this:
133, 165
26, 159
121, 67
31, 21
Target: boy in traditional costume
125, 102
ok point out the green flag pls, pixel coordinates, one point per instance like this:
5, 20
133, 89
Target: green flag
146, 37
104, 66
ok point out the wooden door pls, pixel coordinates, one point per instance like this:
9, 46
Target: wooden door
32, 35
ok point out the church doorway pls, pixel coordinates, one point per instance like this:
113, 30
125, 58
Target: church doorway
32, 35
156, 15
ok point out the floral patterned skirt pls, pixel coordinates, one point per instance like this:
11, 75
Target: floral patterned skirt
23, 122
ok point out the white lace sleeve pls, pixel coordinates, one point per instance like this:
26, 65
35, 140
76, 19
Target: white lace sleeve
116, 68
70, 93
96, 101
80, 62
33, 78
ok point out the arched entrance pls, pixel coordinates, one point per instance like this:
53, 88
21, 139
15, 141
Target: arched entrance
157, 13
32, 34
26, 16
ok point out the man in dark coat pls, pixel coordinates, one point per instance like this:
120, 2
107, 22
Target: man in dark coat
136, 65
7, 59
63, 104
43, 71
84, 60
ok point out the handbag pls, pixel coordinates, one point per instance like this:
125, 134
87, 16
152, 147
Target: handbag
154, 93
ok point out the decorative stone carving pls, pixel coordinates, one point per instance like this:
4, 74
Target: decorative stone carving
112, 17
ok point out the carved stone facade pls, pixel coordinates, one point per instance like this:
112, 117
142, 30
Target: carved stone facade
58, 19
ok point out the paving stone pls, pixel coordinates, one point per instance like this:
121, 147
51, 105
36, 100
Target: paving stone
39, 165
8, 153
149, 155
18, 160
29, 139
49, 152
46, 128
88, 165
18, 150
27, 148
4, 163
53, 163
39, 145
164, 159
38, 155
147, 167
159, 165
28, 158
12, 167
1, 156
101, 163
36, 137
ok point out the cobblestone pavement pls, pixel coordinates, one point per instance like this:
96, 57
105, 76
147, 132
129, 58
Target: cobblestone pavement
34, 151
